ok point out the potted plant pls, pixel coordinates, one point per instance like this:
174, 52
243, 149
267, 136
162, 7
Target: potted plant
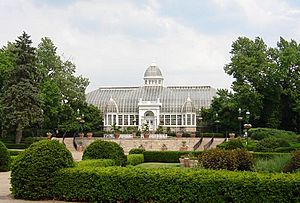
164, 147
184, 147
80, 146
116, 131
146, 131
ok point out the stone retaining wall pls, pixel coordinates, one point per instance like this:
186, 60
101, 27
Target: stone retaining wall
172, 144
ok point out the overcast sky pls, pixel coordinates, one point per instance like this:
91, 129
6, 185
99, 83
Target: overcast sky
113, 42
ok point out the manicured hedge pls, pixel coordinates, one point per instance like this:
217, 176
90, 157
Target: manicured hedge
32, 172
167, 156
96, 163
232, 144
119, 184
137, 151
173, 156
101, 149
262, 133
4, 158
135, 159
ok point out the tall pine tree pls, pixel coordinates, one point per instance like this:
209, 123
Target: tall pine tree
21, 102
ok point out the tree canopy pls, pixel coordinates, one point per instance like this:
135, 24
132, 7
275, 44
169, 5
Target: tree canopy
266, 83
39, 90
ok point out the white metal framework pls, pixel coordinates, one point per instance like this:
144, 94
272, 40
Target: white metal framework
152, 103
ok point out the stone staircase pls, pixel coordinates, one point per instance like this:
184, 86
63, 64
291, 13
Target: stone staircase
172, 144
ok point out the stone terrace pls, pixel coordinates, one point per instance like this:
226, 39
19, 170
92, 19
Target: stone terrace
172, 144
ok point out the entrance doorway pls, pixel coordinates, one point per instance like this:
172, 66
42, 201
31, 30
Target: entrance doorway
150, 120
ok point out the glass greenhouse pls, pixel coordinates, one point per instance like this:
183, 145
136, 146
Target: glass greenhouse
175, 107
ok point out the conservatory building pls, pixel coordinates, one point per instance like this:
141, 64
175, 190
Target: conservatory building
152, 103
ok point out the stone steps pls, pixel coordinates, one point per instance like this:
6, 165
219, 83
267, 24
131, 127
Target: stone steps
149, 144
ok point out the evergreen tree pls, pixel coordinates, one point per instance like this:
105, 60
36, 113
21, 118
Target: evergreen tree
21, 102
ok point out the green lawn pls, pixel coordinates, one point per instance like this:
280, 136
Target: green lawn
158, 165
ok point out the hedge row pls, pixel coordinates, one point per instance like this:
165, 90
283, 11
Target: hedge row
167, 156
4, 158
136, 151
262, 133
173, 156
119, 184
135, 159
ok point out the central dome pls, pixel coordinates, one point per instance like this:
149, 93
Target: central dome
153, 76
153, 71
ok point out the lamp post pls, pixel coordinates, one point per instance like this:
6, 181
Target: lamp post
240, 118
247, 125
217, 121
200, 122
80, 121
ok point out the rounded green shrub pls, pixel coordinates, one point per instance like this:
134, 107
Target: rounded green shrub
136, 151
234, 144
238, 159
294, 163
262, 133
270, 144
243, 159
101, 149
4, 158
33, 171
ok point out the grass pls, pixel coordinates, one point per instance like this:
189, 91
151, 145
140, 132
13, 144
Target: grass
96, 163
275, 164
158, 165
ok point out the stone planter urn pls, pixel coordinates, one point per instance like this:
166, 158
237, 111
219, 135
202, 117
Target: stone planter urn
146, 135
231, 135
49, 135
81, 135
178, 135
89, 135
193, 135
80, 148
117, 135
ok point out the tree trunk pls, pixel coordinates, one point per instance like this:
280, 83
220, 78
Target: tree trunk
19, 132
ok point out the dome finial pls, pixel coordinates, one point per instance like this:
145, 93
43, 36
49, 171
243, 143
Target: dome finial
153, 63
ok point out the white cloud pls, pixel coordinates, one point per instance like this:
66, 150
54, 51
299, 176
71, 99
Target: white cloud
113, 42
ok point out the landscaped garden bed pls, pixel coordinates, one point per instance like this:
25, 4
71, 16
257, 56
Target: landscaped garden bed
102, 177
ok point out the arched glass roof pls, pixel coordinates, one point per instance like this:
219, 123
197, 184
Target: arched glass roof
173, 98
